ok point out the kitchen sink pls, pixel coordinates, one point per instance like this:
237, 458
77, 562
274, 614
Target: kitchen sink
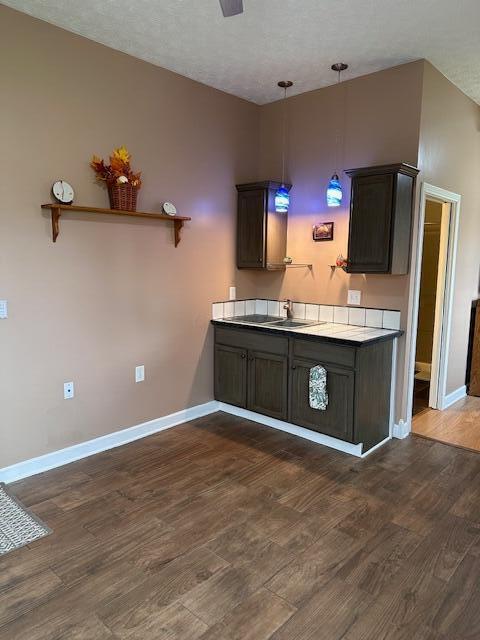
254, 318
289, 322
274, 321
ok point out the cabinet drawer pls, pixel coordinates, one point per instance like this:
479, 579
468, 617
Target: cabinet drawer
324, 352
252, 340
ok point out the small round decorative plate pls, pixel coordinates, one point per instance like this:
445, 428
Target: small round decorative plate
63, 191
169, 209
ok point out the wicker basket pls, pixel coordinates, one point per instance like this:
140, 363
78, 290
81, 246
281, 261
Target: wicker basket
123, 196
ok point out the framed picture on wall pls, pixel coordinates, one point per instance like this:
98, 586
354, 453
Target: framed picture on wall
323, 231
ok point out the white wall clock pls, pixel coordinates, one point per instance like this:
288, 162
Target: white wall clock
63, 192
169, 208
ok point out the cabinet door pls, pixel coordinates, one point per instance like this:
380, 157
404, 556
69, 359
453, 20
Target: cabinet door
267, 384
337, 419
251, 222
231, 375
370, 224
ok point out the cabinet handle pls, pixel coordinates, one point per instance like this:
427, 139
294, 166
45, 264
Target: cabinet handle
294, 366
260, 260
243, 356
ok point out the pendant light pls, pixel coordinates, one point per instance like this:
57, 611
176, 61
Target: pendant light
282, 198
334, 189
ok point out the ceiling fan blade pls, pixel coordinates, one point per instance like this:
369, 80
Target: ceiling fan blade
231, 7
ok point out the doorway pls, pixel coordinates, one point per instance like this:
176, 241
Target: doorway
427, 306
431, 325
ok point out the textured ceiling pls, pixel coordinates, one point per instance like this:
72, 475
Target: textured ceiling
273, 39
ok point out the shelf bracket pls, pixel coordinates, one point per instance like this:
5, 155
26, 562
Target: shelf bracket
178, 224
56, 213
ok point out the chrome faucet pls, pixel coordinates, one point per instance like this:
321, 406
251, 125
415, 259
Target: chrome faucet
288, 308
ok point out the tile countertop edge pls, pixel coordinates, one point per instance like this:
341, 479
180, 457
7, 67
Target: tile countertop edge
299, 333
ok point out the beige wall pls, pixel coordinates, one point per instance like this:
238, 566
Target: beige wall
378, 117
428, 281
410, 113
449, 157
111, 293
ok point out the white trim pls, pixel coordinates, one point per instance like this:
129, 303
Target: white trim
453, 397
375, 447
402, 429
313, 436
393, 387
454, 220
440, 357
444, 302
55, 459
103, 443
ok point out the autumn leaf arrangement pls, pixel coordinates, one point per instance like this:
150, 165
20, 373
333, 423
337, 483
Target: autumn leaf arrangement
118, 172
119, 178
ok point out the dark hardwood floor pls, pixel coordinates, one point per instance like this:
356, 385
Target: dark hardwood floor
223, 529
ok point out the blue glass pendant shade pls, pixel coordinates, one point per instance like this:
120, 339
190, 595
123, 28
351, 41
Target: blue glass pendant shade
282, 200
334, 192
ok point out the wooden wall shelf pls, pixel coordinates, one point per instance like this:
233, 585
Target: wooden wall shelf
57, 209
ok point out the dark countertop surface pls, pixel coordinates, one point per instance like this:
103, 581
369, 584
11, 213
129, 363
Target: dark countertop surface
344, 334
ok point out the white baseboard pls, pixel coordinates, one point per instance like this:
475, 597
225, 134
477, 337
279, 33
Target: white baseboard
453, 397
402, 429
313, 436
61, 457
103, 443
375, 447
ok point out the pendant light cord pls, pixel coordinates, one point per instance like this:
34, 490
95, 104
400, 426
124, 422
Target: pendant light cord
337, 135
284, 127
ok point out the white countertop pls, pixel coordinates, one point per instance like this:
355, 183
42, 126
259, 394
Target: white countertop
347, 331
329, 330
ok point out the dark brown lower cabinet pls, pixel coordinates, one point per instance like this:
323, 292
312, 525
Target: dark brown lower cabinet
268, 384
231, 375
337, 419
269, 374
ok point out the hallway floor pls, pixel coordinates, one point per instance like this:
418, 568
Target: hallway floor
458, 425
223, 529
421, 392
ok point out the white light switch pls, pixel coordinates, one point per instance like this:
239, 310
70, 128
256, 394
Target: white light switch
140, 373
68, 390
3, 309
233, 293
354, 297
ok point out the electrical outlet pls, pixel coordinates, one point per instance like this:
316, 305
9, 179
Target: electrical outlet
68, 390
233, 293
140, 373
354, 297
3, 309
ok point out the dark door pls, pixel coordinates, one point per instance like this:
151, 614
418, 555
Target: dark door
370, 224
267, 384
231, 375
251, 223
337, 419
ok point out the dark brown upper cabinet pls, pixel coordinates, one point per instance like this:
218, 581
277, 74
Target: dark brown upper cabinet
381, 213
261, 231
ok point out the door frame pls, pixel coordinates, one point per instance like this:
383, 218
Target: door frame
445, 294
